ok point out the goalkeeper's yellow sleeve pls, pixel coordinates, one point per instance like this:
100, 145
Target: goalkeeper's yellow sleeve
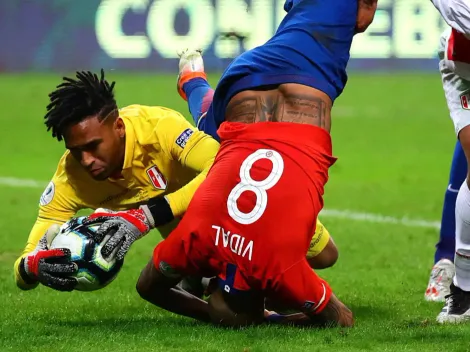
192, 148
38, 230
57, 205
319, 240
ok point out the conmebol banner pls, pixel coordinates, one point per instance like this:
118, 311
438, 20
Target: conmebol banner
147, 34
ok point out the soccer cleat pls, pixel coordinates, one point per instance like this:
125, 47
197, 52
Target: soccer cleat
457, 307
191, 65
439, 282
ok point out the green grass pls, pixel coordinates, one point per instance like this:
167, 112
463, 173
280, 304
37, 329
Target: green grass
394, 141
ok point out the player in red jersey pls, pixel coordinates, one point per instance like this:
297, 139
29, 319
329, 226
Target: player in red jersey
250, 223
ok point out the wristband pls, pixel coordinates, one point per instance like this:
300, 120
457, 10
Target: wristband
160, 211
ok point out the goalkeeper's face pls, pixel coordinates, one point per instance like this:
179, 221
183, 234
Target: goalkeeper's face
99, 146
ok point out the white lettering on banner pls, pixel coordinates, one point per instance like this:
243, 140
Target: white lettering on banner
401, 28
417, 26
109, 30
235, 16
161, 30
375, 42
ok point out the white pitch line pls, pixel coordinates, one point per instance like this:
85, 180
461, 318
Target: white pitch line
22, 183
327, 213
378, 218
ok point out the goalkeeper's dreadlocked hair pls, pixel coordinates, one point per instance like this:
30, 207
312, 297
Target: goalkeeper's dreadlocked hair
75, 100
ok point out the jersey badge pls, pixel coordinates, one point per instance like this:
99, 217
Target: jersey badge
465, 100
183, 137
48, 194
156, 178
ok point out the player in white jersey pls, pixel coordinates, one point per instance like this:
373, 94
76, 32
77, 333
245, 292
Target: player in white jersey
454, 65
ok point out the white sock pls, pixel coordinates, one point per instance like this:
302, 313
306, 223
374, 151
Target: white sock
462, 238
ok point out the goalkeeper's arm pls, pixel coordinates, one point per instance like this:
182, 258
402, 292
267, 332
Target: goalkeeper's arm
23, 281
58, 204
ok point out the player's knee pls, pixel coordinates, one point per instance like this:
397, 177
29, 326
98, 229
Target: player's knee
144, 286
331, 256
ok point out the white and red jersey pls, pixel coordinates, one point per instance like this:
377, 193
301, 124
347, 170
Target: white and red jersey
454, 55
455, 43
456, 13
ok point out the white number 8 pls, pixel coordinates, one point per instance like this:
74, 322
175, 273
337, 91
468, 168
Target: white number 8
259, 188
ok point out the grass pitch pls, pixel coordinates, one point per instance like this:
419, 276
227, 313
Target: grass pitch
394, 141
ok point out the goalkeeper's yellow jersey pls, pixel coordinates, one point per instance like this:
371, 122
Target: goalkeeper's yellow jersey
165, 155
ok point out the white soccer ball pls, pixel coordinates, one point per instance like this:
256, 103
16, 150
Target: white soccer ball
94, 271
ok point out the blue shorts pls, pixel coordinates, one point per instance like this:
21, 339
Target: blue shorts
310, 47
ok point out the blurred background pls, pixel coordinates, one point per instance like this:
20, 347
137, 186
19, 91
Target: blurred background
391, 133
57, 35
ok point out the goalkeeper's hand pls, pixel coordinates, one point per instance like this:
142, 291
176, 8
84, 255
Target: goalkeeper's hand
123, 227
50, 267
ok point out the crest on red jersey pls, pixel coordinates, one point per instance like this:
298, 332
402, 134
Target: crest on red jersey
156, 177
465, 100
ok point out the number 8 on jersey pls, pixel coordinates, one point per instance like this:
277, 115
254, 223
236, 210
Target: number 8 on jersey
259, 188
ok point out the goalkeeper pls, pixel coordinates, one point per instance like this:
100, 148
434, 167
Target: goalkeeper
116, 159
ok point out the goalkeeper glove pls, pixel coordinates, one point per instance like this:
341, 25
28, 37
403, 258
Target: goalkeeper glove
50, 267
126, 227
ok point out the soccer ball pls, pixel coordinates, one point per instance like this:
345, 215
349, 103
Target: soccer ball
94, 271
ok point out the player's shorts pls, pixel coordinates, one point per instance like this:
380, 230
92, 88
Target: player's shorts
455, 74
251, 221
310, 47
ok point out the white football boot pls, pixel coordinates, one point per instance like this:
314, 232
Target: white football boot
439, 282
191, 65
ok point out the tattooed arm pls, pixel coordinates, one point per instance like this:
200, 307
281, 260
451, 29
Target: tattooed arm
365, 14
